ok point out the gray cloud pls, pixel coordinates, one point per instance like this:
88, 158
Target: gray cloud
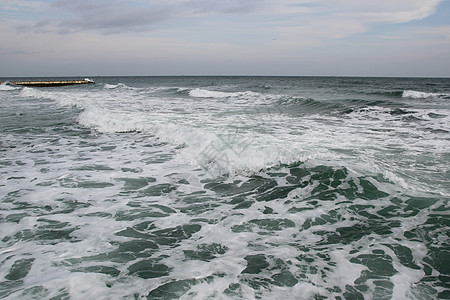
17, 52
115, 21
117, 16
228, 36
109, 16
224, 7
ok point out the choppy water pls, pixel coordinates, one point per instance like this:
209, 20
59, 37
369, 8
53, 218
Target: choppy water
226, 188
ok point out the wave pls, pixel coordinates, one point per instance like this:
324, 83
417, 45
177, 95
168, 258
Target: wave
357, 102
344, 106
109, 122
180, 91
298, 101
219, 152
60, 97
235, 142
387, 93
115, 86
31, 93
423, 95
202, 93
307, 105
7, 87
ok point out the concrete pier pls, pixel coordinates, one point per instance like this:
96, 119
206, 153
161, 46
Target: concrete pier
51, 83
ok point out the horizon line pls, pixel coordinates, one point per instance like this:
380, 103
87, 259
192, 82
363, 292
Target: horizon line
218, 75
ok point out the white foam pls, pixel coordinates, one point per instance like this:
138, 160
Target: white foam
202, 93
406, 277
232, 136
31, 93
110, 86
422, 95
110, 121
240, 135
208, 141
7, 87
116, 86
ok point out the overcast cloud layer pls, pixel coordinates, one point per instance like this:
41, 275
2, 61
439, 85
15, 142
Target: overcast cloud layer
234, 37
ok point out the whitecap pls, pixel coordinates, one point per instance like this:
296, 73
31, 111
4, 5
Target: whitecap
110, 86
6, 87
115, 86
202, 93
421, 95
109, 121
31, 93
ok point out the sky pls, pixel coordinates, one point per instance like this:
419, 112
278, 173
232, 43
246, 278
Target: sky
225, 37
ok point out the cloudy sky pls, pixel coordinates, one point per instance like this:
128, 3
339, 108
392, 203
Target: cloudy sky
226, 37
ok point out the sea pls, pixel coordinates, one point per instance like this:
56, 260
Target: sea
225, 187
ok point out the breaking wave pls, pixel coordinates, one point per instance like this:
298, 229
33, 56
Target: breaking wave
7, 87
202, 93
423, 95
225, 191
115, 86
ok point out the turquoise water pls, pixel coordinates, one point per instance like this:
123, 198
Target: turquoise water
226, 188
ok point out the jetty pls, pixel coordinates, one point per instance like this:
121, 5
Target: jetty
50, 83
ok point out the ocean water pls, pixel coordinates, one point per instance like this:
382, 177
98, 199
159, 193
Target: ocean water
226, 188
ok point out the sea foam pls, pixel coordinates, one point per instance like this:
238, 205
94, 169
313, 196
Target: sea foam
202, 93
422, 95
235, 196
7, 87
